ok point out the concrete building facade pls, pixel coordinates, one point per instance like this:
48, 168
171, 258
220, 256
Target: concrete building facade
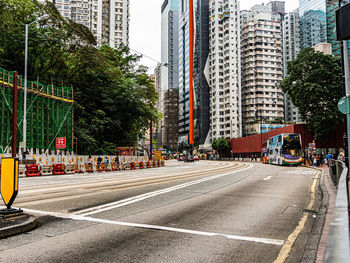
291, 49
110, 21
193, 84
170, 71
317, 23
225, 70
262, 68
107, 20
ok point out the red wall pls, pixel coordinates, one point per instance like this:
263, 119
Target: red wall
252, 144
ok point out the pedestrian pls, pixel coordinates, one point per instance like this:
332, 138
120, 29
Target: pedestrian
328, 157
336, 155
90, 160
99, 161
318, 160
314, 160
309, 159
341, 157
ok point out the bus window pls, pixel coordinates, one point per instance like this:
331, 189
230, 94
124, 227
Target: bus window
291, 146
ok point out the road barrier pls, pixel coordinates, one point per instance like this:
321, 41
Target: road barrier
338, 243
69, 169
58, 169
32, 170
46, 166
21, 171
141, 165
89, 168
81, 168
46, 170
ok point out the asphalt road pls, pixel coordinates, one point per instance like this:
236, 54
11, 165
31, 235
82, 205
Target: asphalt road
201, 212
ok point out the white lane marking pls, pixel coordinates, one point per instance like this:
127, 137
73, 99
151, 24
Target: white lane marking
301, 172
267, 178
131, 200
268, 241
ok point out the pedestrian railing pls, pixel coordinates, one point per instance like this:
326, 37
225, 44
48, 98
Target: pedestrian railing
338, 243
335, 170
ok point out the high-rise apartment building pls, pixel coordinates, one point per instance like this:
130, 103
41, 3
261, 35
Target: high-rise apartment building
317, 23
291, 49
193, 83
110, 21
262, 67
107, 20
170, 71
225, 69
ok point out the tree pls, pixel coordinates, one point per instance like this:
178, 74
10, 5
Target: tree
222, 146
314, 84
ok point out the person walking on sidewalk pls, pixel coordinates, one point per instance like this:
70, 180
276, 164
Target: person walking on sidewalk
328, 157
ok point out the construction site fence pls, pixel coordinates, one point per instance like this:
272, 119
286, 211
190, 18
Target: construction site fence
49, 113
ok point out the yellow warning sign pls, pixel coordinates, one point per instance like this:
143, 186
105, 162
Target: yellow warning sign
157, 155
9, 180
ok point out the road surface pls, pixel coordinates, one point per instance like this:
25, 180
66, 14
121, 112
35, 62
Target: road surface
202, 212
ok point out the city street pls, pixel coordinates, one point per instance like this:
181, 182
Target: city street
207, 211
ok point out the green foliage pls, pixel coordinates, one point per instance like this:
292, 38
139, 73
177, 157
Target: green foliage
113, 96
314, 84
222, 146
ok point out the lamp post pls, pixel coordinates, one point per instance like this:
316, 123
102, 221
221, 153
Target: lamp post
261, 138
25, 86
25, 89
304, 131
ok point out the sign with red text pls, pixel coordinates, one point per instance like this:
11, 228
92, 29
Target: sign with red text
60, 142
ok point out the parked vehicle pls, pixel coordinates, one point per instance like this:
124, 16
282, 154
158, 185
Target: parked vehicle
196, 158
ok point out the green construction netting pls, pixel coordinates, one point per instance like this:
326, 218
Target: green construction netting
49, 113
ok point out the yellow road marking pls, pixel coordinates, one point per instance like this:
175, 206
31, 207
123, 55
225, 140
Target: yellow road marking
287, 247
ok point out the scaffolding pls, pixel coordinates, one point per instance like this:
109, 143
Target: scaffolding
49, 113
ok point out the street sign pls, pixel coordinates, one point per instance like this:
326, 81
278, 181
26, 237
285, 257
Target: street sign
343, 105
60, 142
9, 180
154, 143
342, 22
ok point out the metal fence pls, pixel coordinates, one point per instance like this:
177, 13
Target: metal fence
338, 243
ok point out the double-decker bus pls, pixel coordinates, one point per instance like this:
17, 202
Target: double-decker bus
285, 149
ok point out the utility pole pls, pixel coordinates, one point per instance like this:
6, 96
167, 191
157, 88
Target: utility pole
151, 138
14, 116
346, 70
261, 135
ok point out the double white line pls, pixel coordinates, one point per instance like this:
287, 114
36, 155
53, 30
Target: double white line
131, 200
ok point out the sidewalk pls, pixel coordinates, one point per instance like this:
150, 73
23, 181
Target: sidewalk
330, 191
16, 224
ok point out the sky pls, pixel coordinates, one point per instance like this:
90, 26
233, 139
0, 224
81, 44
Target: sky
145, 18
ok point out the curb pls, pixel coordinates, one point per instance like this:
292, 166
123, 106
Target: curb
16, 229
